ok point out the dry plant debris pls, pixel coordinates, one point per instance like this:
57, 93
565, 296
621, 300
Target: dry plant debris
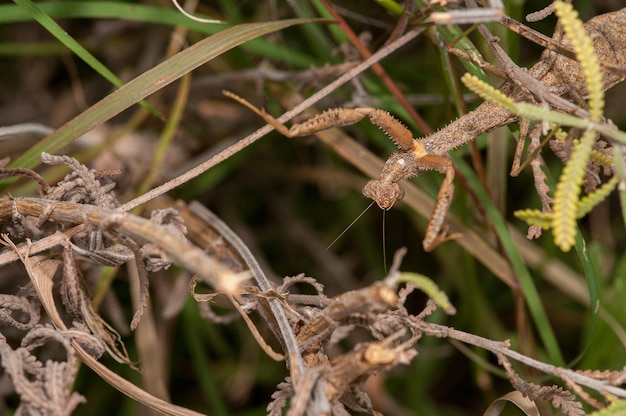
78, 224
318, 384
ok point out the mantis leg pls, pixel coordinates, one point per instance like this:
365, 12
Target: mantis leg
436, 231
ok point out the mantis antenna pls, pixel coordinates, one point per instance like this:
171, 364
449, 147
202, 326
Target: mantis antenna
350, 225
384, 241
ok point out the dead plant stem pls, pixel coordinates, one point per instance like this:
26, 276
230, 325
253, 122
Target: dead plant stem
499, 347
182, 251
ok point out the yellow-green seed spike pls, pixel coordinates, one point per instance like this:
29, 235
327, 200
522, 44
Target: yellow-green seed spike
568, 191
535, 217
587, 203
566, 196
585, 55
601, 159
487, 92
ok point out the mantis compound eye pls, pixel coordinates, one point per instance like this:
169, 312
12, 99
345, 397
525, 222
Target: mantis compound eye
385, 194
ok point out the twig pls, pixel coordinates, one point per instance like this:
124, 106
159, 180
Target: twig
24, 130
265, 73
497, 347
9, 172
180, 250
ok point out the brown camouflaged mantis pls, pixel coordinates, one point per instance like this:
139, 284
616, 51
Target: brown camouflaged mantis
559, 75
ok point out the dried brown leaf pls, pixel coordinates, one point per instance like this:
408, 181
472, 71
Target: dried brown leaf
523, 403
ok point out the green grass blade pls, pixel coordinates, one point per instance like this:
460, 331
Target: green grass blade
145, 14
531, 295
204, 371
149, 82
69, 42
591, 277
620, 172
106, 10
51, 26
462, 42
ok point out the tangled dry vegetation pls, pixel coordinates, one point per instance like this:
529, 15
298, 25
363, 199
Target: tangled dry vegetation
116, 275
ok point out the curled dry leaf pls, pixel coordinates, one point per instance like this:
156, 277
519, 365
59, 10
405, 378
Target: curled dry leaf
515, 397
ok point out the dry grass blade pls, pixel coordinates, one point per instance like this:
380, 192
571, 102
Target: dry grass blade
130, 389
40, 271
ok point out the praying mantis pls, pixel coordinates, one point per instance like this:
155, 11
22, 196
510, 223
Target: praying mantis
558, 75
